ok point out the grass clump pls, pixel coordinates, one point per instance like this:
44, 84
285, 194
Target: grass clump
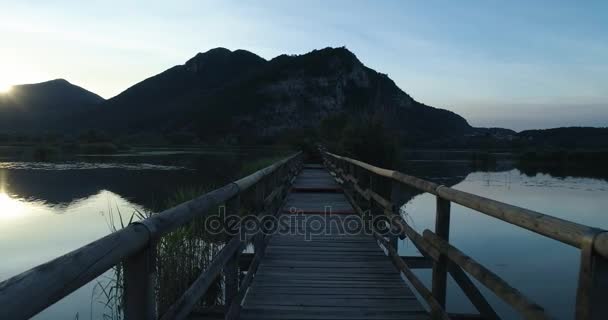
184, 254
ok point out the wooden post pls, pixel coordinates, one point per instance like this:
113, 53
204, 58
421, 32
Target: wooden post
440, 267
260, 194
394, 198
231, 270
592, 283
140, 276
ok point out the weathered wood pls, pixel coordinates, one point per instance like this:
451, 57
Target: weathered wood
182, 307
592, 283
234, 308
462, 280
380, 200
28, 293
252, 179
139, 288
331, 272
601, 244
409, 180
555, 228
473, 294
565, 231
231, 271
440, 267
558, 229
489, 279
437, 310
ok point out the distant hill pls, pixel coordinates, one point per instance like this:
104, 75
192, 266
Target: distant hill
36, 107
568, 137
240, 97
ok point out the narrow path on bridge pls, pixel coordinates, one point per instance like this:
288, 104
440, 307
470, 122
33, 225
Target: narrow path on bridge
332, 275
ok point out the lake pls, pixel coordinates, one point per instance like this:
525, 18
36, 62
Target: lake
543, 269
49, 209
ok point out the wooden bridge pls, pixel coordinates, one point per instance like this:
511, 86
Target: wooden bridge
333, 256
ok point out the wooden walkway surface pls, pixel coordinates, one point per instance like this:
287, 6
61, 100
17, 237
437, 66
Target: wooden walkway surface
330, 276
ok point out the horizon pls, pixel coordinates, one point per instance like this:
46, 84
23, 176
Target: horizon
506, 67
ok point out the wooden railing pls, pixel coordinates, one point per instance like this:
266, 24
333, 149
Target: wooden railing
376, 189
135, 247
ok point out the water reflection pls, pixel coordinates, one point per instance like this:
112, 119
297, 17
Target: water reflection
147, 184
47, 210
543, 269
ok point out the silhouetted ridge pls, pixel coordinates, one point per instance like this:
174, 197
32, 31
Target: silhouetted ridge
239, 97
37, 106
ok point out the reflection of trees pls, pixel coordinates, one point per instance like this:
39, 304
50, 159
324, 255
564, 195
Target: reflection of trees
148, 188
450, 173
562, 171
446, 173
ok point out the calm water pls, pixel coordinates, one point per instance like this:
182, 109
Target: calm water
543, 269
47, 210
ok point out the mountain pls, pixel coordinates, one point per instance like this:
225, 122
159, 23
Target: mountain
38, 106
239, 96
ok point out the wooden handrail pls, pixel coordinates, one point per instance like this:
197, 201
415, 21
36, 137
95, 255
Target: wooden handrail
592, 242
32, 291
555, 228
492, 281
183, 306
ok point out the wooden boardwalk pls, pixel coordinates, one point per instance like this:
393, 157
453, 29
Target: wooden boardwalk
331, 275
312, 272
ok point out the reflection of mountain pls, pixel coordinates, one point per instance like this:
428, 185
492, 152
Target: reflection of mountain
148, 188
446, 173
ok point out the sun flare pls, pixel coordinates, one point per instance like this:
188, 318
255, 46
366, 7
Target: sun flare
5, 88
10, 208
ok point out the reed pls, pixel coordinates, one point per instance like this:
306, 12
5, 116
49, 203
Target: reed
183, 255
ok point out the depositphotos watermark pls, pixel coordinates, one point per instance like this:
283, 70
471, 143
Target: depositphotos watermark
295, 222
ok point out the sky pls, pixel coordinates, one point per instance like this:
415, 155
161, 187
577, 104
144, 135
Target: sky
513, 64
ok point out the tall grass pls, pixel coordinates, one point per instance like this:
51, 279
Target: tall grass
184, 254
108, 292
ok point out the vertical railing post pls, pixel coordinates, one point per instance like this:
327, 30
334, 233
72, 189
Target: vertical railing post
394, 198
140, 276
592, 283
231, 270
370, 187
260, 194
442, 229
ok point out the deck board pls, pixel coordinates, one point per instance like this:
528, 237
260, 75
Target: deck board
329, 275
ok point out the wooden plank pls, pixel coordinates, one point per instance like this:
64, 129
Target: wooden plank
331, 275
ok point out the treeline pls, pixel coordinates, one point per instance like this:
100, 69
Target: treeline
496, 138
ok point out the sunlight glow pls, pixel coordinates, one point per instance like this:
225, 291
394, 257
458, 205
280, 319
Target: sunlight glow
10, 208
5, 88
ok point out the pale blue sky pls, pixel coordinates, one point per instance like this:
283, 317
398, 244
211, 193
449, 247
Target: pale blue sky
515, 64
